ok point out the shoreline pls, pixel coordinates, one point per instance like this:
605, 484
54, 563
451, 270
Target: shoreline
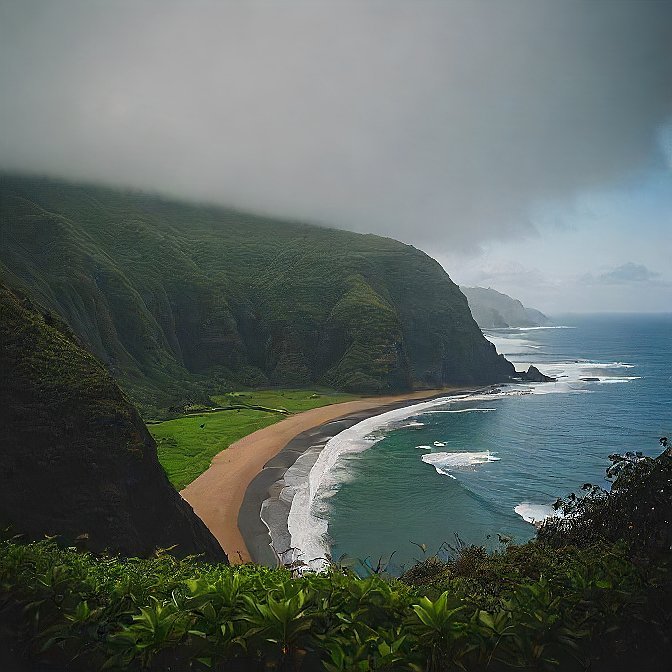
228, 496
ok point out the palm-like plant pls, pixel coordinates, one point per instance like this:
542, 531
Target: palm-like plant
440, 627
283, 622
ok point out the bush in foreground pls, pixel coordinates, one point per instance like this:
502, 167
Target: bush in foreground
586, 602
79, 611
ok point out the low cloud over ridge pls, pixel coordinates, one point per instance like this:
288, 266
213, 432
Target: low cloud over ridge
440, 124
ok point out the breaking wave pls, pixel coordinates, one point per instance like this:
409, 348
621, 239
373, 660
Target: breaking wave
307, 521
462, 410
445, 463
308, 529
536, 513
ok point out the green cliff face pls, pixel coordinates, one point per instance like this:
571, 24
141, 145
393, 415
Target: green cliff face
173, 297
77, 460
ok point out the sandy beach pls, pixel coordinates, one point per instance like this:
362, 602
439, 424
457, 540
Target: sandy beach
218, 493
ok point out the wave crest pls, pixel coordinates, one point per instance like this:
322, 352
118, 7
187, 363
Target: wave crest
445, 463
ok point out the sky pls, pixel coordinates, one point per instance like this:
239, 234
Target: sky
525, 144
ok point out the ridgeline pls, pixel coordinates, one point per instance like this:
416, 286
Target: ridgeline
180, 301
493, 310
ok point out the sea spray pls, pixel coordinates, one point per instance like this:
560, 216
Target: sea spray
461, 410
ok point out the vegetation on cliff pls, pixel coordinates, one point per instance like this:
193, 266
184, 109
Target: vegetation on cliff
553, 603
77, 460
180, 301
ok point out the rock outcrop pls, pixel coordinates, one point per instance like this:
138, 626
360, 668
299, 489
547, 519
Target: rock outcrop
76, 460
533, 375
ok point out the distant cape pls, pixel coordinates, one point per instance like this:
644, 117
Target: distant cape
492, 309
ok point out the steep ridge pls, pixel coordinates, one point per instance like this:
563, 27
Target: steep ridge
175, 298
492, 309
77, 460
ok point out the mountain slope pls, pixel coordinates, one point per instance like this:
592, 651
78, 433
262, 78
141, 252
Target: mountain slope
174, 297
76, 457
492, 309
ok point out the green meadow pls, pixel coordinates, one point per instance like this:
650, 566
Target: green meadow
187, 445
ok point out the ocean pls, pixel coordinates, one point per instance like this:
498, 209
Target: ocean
475, 468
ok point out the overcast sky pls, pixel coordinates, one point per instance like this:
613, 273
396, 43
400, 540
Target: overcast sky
525, 144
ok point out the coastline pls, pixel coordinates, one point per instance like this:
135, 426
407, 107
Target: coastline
228, 496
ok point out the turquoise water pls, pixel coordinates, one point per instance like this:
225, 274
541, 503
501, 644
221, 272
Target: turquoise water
513, 459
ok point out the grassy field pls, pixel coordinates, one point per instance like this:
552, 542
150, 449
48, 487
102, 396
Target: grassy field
187, 445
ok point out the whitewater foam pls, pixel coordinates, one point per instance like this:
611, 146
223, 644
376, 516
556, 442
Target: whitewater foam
534, 328
536, 513
462, 410
307, 523
307, 528
620, 379
508, 345
446, 463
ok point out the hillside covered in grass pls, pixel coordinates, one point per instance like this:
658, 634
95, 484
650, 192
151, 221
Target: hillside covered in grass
179, 300
76, 458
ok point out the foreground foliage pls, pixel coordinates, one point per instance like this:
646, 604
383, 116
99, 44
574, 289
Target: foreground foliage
592, 592
89, 612
637, 509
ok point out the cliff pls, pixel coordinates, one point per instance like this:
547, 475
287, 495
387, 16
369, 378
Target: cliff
177, 299
492, 309
76, 459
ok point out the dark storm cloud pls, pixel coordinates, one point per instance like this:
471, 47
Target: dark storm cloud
427, 121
